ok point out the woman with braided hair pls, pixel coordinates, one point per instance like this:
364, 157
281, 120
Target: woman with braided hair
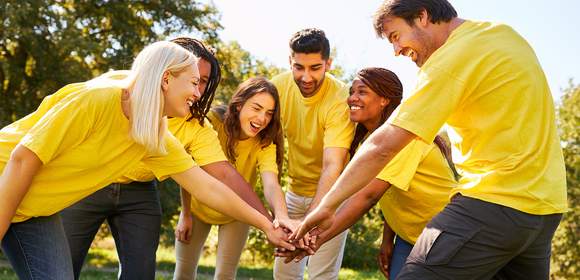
410, 190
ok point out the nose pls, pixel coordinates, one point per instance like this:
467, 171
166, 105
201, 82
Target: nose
351, 98
397, 49
307, 77
196, 93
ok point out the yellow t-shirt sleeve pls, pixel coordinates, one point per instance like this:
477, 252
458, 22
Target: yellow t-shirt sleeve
400, 171
338, 129
267, 159
435, 99
63, 127
206, 148
175, 161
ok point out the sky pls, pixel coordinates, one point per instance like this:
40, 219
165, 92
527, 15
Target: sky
264, 28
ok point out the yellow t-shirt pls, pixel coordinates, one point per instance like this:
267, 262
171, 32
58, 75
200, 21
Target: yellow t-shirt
421, 181
486, 83
201, 142
310, 125
249, 155
82, 137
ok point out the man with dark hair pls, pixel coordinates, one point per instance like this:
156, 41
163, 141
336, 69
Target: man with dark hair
485, 81
316, 124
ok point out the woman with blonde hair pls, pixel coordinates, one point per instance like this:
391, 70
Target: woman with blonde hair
250, 135
87, 135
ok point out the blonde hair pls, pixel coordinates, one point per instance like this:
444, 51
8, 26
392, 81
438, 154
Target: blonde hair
148, 125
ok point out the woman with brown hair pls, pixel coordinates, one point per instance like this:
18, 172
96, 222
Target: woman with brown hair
250, 135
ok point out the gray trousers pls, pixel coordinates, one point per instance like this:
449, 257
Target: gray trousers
474, 239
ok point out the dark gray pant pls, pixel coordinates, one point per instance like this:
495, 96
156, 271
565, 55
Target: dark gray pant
473, 239
133, 212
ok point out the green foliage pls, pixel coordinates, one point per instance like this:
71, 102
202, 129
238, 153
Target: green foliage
566, 243
237, 66
46, 44
362, 244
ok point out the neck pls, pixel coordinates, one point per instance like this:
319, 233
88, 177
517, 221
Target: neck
444, 30
372, 124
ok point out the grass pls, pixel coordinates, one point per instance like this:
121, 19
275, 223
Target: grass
102, 263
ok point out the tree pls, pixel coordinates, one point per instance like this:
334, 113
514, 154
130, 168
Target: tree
566, 243
47, 44
237, 66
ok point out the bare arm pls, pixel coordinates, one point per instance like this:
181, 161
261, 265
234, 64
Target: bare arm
227, 174
274, 195
216, 195
333, 161
376, 152
382, 146
350, 212
15, 182
354, 208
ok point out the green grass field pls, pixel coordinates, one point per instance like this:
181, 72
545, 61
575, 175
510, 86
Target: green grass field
103, 264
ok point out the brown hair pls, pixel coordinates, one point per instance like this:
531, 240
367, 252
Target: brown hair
386, 84
272, 133
409, 10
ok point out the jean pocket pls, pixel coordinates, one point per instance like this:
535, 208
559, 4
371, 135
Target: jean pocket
438, 247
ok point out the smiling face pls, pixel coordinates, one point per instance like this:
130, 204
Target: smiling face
366, 106
308, 70
204, 71
256, 114
414, 41
180, 91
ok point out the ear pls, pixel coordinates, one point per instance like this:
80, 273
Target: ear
423, 18
290, 61
165, 81
328, 64
385, 102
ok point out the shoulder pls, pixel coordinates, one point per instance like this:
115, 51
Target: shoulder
283, 81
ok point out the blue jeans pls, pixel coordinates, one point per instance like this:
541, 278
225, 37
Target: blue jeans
133, 213
37, 249
401, 251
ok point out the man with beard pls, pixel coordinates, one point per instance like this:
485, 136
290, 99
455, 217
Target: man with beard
315, 121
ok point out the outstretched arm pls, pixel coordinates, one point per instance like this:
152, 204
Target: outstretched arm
216, 195
333, 161
227, 174
370, 159
15, 182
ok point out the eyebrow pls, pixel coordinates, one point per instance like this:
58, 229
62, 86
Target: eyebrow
261, 107
315, 65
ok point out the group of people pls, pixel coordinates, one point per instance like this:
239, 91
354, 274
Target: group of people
94, 150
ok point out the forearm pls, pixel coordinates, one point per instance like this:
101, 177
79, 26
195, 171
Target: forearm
388, 233
185, 201
15, 182
350, 212
328, 176
227, 174
274, 195
369, 160
218, 196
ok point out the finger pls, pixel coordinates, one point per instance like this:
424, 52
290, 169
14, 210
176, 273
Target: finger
301, 244
188, 234
300, 257
382, 266
313, 239
286, 245
283, 253
276, 223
